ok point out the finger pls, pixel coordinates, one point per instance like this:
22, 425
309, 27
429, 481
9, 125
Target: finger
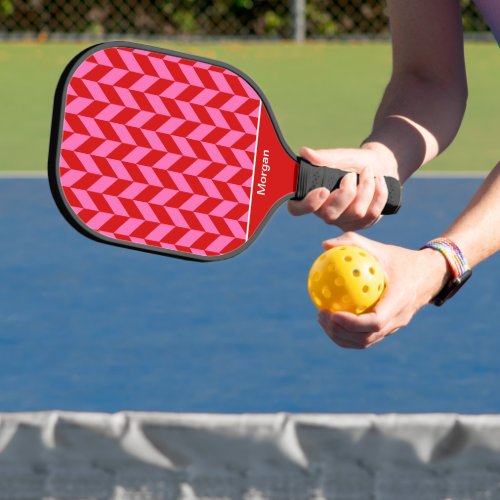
338, 201
353, 341
368, 202
380, 196
385, 318
316, 157
348, 238
342, 340
358, 224
324, 318
366, 209
365, 191
311, 203
348, 338
338, 334
362, 324
362, 340
376, 338
373, 342
344, 344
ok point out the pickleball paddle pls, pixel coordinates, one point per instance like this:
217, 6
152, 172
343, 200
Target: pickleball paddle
172, 153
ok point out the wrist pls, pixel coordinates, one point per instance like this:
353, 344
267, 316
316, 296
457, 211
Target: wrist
386, 156
437, 272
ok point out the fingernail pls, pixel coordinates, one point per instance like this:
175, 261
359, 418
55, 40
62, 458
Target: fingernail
324, 194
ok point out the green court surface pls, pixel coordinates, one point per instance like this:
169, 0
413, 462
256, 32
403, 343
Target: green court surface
323, 94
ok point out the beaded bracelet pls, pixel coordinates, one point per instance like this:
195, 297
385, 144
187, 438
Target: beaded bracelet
452, 254
460, 269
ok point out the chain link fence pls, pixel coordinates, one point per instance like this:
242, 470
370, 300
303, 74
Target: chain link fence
284, 19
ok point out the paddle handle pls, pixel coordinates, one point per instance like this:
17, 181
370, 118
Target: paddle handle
312, 177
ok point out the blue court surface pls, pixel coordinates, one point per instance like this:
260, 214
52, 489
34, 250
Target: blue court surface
91, 327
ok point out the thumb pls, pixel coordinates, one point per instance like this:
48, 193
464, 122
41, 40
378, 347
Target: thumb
349, 238
312, 155
339, 157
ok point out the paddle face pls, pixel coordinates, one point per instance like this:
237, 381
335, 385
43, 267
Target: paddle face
165, 152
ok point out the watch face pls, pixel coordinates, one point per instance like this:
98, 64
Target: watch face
451, 288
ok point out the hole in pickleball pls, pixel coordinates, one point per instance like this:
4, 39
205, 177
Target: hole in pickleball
317, 276
346, 299
372, 270
327, 293
366, 289
356, 273
339, 281
359, 310
362, 254
348, 258
336, 306
379, 287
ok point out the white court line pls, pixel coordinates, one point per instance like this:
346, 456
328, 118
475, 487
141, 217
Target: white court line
23, 175
453, 174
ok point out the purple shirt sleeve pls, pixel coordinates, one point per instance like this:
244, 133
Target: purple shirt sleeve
490, 9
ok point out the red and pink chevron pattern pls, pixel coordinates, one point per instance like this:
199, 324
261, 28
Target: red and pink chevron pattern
159, 150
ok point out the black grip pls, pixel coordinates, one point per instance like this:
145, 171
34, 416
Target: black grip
312, 177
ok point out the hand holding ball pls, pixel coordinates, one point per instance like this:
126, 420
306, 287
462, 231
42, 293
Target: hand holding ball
346, 278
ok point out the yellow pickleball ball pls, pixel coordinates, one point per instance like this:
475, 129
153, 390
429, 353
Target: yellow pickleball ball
346, 278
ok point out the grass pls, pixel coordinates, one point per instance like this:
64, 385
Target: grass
323, 94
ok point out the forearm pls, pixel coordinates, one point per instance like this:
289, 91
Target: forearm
416, 120
477, 230
424, 103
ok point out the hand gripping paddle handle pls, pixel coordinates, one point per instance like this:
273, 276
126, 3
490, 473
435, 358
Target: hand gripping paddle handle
312, 177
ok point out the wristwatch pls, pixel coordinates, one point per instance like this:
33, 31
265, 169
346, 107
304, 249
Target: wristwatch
460, 270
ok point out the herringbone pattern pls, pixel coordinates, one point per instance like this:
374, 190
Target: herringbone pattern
159, 150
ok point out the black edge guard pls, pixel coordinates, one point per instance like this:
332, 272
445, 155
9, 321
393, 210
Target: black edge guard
312, 177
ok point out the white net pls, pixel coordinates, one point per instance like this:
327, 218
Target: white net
154, 456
